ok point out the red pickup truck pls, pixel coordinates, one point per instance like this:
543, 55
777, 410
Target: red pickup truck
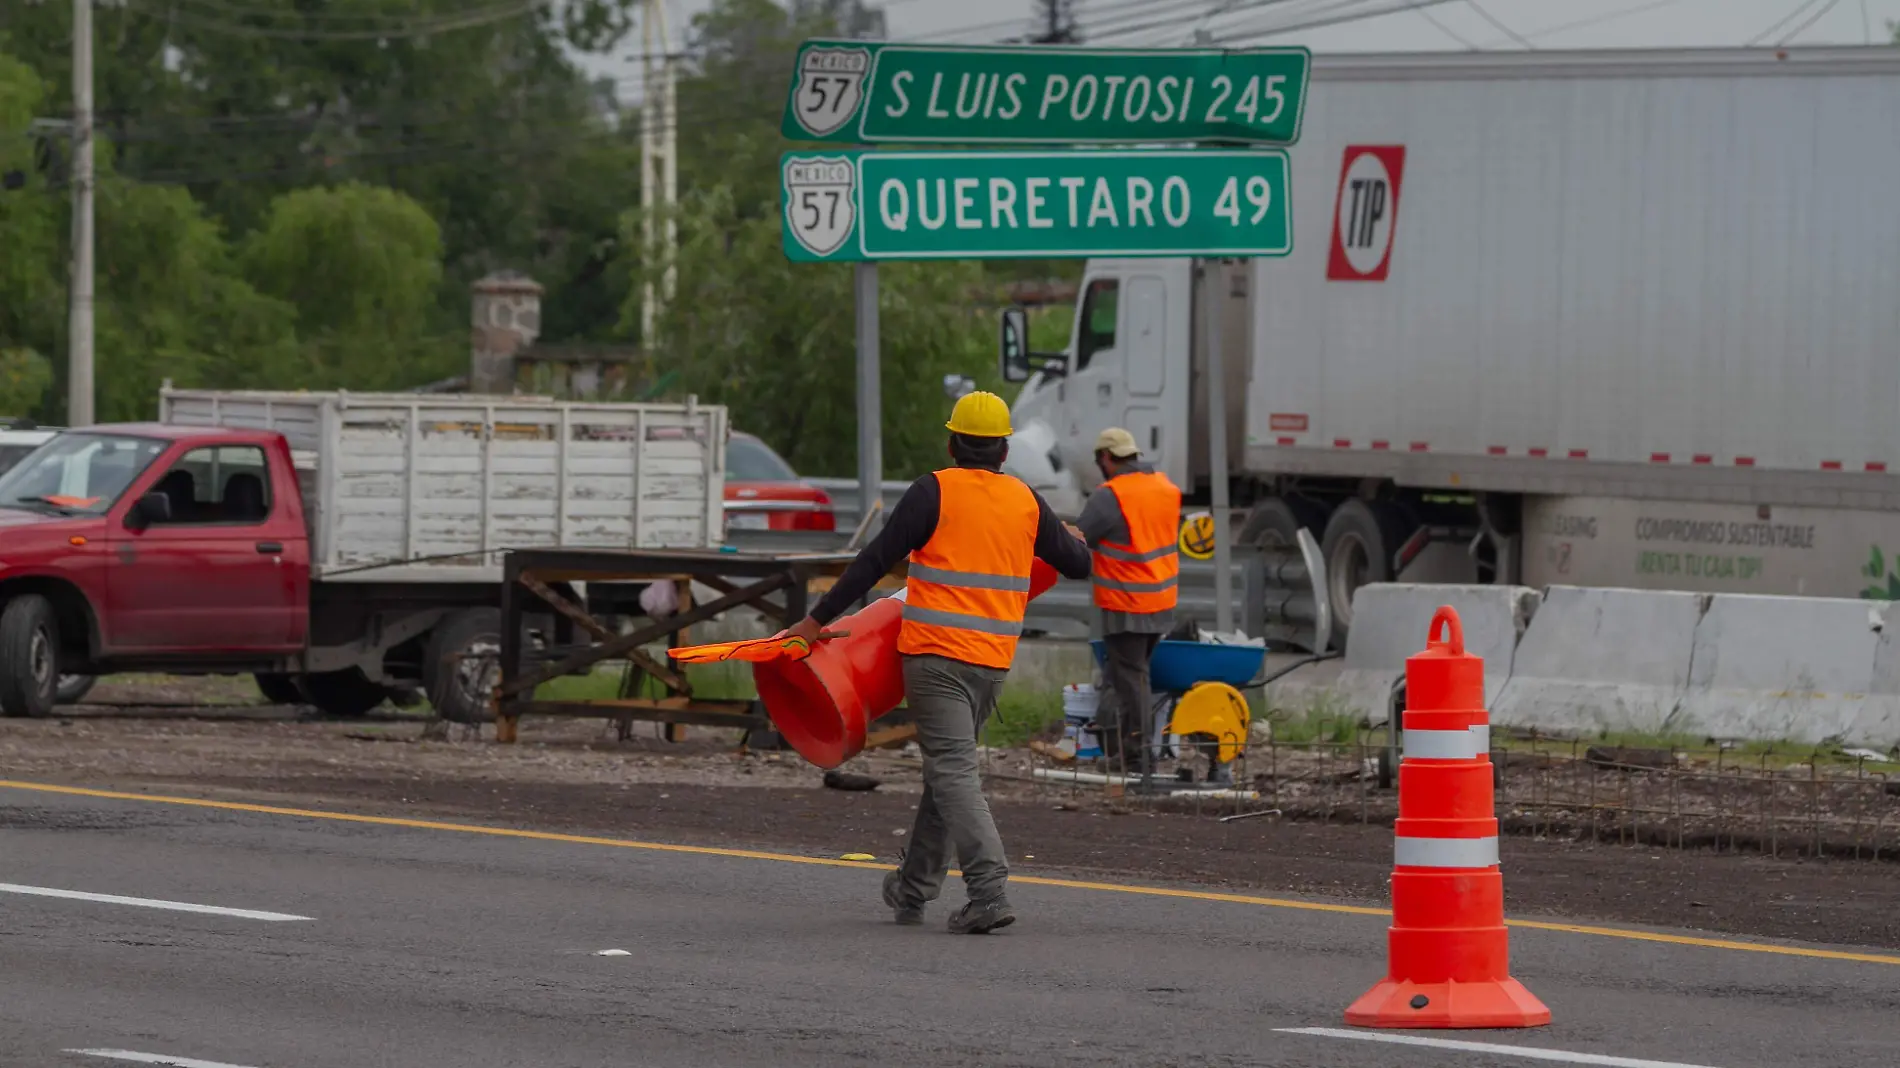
112, 558
197, 549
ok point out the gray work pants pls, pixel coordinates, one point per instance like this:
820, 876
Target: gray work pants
1125, 732
949, 702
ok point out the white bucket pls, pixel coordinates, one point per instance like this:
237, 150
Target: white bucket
1079, 702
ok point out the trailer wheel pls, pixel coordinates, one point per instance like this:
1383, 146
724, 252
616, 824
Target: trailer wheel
74, 688
462, 665
1358, 546
348, 693
1276, 522
278, 688
29, 657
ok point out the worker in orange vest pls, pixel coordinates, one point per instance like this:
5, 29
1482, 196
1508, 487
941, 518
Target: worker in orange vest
1131, 522
970, 533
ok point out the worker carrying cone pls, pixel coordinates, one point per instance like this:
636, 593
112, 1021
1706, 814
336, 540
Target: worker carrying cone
1449, 962
972, 535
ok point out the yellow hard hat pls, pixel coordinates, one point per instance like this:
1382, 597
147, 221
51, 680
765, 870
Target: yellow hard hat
980, 415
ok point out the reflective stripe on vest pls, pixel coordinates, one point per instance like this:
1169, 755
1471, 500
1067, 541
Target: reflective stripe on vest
967, 589
1445, 852
1141, 576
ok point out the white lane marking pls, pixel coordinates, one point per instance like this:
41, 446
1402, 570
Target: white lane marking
150, 1058
1530, 1053
612, 953
148, 903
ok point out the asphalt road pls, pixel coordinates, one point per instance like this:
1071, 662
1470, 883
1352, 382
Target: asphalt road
430, 948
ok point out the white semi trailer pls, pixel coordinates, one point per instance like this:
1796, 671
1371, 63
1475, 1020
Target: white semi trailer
1597, 318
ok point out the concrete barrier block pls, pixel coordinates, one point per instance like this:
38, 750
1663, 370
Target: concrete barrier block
1793, 668
1391, 621
1602, 659
1879, 722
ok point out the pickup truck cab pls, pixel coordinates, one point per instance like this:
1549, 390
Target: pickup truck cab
149, 547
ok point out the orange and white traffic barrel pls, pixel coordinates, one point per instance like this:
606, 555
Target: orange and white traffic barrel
1448, 954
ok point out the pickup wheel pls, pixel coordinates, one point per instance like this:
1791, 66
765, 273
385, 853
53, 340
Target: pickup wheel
29, 657
74, 688
348, 693
462, 664
278, 688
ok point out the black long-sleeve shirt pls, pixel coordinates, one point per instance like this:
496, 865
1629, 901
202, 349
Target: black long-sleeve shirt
910, 526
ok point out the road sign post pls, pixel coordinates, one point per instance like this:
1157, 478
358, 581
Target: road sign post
869, 205
872, 93
862, 206
870, 395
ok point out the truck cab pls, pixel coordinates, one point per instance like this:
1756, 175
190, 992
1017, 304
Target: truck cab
1128, 363
149, 547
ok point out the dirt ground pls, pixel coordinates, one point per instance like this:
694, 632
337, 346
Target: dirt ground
576, 776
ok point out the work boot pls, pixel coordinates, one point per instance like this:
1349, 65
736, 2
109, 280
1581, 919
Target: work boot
982, 917
905, 913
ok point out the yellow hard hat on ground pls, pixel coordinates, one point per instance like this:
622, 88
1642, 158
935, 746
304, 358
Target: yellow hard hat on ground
980, 415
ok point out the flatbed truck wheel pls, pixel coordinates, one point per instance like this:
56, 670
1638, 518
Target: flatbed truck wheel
462, 665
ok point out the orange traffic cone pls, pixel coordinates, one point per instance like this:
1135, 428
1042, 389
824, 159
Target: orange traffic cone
1448, 958
823, 704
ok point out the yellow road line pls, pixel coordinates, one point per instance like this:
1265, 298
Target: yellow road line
1030, 880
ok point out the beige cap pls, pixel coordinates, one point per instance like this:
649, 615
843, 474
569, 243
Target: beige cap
1117, 442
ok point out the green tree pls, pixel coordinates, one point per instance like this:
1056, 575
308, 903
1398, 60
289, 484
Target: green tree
172, 304
25, 376
775, 340
362, 266
473, 110
32, 288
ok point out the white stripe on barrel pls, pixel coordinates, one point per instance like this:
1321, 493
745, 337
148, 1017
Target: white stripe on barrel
1468, 744
1445, 852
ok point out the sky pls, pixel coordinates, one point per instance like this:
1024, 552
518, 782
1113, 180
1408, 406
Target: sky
1422, 25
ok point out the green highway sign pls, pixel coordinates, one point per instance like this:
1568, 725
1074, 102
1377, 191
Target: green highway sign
869, 93
871, 205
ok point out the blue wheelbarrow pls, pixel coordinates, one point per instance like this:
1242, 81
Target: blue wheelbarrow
1203, 683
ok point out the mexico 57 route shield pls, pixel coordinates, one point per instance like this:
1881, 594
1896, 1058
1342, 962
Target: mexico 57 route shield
867, 93
868, 205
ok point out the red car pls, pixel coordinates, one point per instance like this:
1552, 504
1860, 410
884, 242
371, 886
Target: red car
764, 493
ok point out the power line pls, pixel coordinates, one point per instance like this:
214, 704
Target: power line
411, 29
1596, 20
300, 15
1171, 22
1344, 15
1444, 29
1782, 21
1501, 27
1812, 19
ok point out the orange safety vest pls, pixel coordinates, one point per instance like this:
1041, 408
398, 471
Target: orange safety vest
1142, 576
968, 587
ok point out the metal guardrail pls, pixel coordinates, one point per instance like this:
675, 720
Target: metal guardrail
1065, 611
1281, 599
844, 498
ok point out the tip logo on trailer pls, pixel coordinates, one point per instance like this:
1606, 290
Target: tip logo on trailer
1366, 213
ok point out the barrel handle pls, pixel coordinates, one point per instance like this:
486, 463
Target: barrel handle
1455, 630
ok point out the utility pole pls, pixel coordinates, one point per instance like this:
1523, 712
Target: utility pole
79, 329
1058, 22
659, 164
